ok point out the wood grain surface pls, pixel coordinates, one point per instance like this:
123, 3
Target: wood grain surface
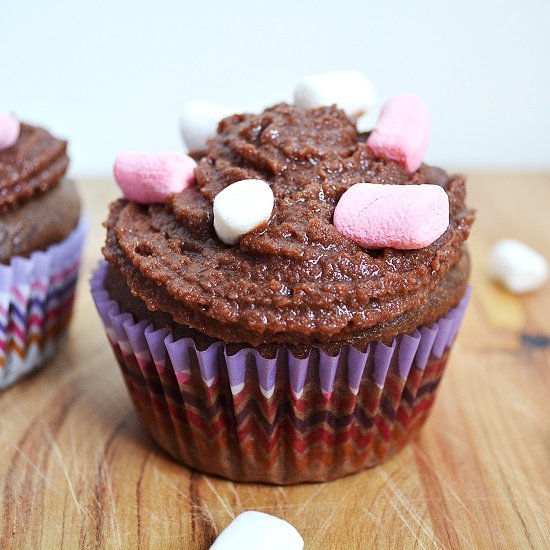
77, 470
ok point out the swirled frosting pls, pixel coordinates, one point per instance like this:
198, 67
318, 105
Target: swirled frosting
296, 280
38, 207
35, 164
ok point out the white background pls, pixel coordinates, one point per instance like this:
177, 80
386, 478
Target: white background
113, 75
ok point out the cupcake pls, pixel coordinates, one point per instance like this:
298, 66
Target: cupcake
41, 239
283, 347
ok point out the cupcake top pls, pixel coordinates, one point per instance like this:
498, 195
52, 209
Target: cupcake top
37, 206
34, 164
295, 279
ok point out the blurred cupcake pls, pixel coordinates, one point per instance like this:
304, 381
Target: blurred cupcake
275, 347
41, 237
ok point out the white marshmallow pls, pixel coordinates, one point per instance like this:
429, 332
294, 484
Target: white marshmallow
9, 130
350, 90
199, 122
517, 266
258, 531
240, 208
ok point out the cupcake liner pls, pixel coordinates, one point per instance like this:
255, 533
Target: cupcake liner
36, 299
281, 419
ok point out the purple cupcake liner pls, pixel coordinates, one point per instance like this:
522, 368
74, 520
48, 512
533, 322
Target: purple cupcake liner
36, 297
283, 419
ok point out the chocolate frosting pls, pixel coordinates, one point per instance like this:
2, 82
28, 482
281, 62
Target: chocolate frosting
296, 280
35, 164
38, 207
39, 222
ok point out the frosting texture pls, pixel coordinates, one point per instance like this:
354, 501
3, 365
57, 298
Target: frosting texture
295, 280
35, 164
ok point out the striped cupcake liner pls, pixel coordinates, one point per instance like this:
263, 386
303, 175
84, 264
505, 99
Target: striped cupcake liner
282, 419
36, 300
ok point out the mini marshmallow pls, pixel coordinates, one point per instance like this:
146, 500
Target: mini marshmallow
9, 130
349, 90
406, 217
199, 122
152, 177
258, 531
517, 266
402, 131
240, 208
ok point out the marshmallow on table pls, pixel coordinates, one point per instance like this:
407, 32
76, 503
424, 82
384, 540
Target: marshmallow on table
258, 531
406, 217
402, 131
152, 177
517, 266
199, 122
349, 90
240, 208
9, 130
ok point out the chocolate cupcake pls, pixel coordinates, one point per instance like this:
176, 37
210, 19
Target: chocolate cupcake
41, 237
295, 354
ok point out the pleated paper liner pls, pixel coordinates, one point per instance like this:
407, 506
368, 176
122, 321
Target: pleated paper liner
36, 300
282, 420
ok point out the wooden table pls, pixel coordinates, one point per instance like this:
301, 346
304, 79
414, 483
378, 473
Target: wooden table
77, 470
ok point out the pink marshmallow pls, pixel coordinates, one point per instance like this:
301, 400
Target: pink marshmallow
402, 131
407, 217
152, 177
9, 130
